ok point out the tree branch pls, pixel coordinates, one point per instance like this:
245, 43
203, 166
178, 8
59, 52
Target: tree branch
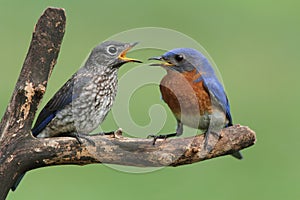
21, 152
135, 151
31, 85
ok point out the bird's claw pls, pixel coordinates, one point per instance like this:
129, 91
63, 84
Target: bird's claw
155, 137
118, 133
78, 137
115, 134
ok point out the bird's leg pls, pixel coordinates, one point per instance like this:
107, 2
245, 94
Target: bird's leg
116, 134
179, 131
210, 140
78, 137
213, 132
105, 133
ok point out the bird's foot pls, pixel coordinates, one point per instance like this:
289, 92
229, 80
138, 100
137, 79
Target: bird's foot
155, 137
210, 140
105, 133
115, 134
79, 136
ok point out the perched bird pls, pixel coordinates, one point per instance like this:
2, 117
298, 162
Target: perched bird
195, 95
83, 102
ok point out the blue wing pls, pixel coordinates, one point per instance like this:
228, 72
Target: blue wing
62, 98
214, 87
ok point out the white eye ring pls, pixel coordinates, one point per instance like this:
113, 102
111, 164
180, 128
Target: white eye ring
112, 50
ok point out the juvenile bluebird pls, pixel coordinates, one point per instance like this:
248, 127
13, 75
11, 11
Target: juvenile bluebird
195, 95
83, 102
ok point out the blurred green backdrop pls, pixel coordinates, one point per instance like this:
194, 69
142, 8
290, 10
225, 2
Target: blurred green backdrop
256, 47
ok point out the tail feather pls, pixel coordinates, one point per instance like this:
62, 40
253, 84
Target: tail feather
237, 155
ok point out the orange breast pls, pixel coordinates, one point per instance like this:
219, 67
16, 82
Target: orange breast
183, 95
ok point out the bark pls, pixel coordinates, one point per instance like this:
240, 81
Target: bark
16, 123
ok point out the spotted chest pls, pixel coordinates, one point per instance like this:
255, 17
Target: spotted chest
93, 95
95, 101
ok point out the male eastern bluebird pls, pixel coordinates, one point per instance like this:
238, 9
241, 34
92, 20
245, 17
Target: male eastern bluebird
194, 94
83, 102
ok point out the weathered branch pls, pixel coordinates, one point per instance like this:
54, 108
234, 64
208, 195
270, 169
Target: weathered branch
16, 123
134, 151
36, 70
21, 152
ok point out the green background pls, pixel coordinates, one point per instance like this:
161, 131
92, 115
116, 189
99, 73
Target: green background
256, 47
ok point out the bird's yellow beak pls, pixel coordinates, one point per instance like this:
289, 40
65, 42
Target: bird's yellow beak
164, 63
123, 57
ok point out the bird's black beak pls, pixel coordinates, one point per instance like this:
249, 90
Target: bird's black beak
156, 58
164, 63
123, 57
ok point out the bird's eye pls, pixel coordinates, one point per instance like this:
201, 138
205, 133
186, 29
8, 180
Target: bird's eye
112, 50
178, 57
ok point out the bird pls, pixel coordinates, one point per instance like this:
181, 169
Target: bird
194, 94
83, 102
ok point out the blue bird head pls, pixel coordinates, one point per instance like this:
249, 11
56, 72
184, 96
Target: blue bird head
184, 60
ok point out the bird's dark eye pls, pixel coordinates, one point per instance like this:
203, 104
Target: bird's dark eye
112, 50
178, 57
